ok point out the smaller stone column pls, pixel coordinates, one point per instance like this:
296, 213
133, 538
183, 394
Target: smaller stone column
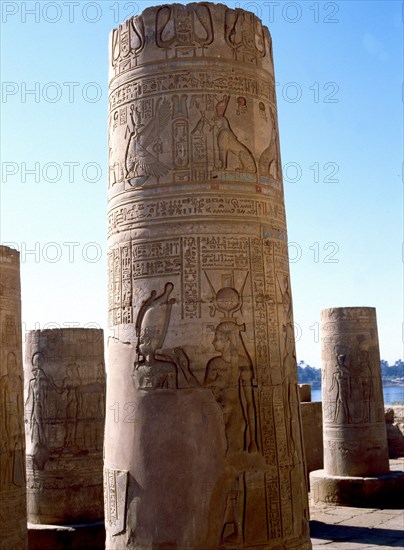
13, 510
356, 463
64, 419
305, 393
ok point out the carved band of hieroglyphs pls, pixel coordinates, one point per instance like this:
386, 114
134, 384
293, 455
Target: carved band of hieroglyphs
187, 81
115, 492
126, 216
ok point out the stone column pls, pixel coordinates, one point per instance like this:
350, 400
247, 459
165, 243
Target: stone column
356, 462
64, 415
13, 516
203, 431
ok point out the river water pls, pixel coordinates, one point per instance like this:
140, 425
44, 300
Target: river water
391, 394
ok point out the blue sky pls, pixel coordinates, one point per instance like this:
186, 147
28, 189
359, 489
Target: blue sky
339, 72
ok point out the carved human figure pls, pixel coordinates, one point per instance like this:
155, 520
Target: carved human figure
144, 146
150, 370
268, 162
71, 385
11, 428
288, 343
37, 394
227, 141
230, 377
341, 380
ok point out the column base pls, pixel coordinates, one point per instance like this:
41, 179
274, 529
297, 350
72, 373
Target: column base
90, 536
384, 491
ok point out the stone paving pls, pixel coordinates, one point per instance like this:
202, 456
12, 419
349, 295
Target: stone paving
347, 528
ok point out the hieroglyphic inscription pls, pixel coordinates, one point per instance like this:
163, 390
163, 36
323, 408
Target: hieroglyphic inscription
273, 506
151, 259
284, 461
191, 308
260, 312
224, 251
115, 494
127, 215
213, 81
273, 331
286, 500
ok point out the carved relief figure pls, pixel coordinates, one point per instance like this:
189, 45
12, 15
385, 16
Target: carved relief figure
12, 455
230, 376
288, 342
227, 141
37, 394
365, 380
145, 146
341, 381
152, 371
71, 385
184, 29
269, 159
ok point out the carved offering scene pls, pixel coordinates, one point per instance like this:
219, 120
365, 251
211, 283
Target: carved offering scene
200, 137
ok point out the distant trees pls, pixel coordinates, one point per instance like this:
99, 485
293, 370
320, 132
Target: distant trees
308, 375
391, 374
392, 371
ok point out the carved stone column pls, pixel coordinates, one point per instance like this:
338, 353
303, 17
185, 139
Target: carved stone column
13, 516
203, 431
356, 462
64, 412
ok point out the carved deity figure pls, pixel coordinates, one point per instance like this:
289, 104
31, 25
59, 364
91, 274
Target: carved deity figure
341, 380
230, 376
145, 145
227, 141
11, 427
37, 394
71, 385
269, 160
152, 371
37, 391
